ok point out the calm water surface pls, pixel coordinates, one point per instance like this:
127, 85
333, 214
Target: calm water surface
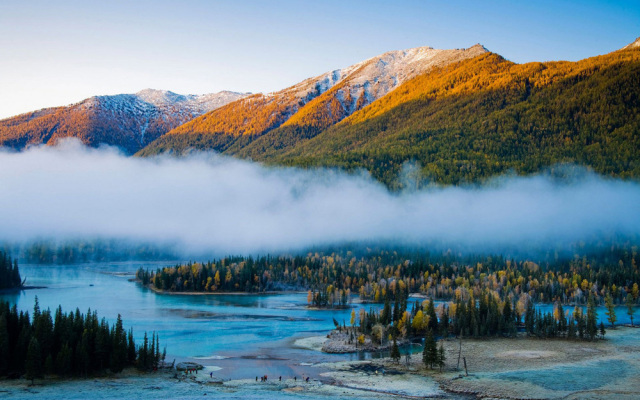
245, 335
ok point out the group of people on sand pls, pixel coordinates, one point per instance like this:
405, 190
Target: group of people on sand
295, 378
191, 371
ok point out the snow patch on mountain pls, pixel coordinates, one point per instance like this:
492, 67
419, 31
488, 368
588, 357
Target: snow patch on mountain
377, 76
362, 83
136, 112
635, 44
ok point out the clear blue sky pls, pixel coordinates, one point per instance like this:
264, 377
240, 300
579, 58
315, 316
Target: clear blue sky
59, 52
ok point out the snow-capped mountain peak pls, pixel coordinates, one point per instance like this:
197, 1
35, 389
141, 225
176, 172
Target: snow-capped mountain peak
161, 97
129, 121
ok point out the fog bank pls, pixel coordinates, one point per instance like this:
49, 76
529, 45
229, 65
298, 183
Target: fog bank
212, 204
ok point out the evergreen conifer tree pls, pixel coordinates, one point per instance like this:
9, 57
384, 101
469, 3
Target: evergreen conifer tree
630, 309
611, 311
4, 345
429, 352
433, 318
592, 323
441, 356
33, 362
571, 329
602, 330
395, 352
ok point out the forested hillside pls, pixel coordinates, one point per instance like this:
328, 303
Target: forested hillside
462, 122
487, 115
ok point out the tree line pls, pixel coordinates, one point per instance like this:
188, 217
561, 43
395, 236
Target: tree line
9, 272
378, 274
485, 316
69, 344
89, 250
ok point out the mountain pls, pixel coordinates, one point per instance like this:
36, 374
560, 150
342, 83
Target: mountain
459, 116
249, 127
129, 121
632, 45
462, 122
487, 116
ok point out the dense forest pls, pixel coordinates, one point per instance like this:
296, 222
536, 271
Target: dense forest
9, 272
483, 295
72, 344
482, 316
377, 274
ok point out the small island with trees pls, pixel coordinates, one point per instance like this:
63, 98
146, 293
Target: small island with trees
9, 273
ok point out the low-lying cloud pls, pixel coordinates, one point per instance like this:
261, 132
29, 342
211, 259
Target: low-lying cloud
212, 204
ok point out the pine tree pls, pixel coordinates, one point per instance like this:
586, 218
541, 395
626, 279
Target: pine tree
395, 352
385, 318
602, 330
441, 356
131, 348
562, 319
143, 354
152, 352
82, 355
581, 325
430, 351
119, 347
4, 345
611, 311
48, 364
64, 360
571, 329
592, 323
444, 322
157, 352
33, 363
630, 309
433, 318
529, 318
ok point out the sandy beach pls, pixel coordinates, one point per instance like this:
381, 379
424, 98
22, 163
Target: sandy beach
523, 368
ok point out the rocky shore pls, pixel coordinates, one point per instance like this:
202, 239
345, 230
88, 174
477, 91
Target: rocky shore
522, 368
340, 342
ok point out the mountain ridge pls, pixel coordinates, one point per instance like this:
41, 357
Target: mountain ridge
461, 115
129, 121
486, 116
310, 105
462, 122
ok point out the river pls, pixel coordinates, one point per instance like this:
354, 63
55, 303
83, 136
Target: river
236, 336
